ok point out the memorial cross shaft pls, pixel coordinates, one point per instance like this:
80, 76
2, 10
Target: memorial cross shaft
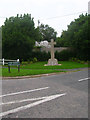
52, 60
52, 43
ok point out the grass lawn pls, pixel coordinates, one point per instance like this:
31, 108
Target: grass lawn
65, 65
39, 68
25, 72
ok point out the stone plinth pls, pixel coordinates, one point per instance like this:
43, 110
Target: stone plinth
52, 62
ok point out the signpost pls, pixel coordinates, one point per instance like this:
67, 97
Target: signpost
13, 64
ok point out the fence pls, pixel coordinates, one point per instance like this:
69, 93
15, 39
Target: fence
5, 61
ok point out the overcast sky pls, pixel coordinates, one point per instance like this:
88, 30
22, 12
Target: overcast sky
56, 13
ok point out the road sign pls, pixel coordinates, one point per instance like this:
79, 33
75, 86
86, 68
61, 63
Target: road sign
13, 64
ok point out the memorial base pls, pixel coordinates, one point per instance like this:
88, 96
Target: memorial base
52, 62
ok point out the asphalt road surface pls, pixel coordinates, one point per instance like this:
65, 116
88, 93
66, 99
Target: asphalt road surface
57, 96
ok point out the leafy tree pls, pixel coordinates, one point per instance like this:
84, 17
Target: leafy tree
47, 33
76, 36
18, 37
60, 42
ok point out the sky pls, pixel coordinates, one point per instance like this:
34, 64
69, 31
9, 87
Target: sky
56, 13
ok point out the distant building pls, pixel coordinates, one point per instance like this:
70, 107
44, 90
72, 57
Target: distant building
58, 49
45, 46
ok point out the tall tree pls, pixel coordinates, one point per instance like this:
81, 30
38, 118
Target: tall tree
47, 33
76, 36
18, 37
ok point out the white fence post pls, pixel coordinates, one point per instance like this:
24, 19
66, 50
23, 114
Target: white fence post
17, 60
3, 61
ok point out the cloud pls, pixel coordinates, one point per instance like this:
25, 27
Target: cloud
43, 9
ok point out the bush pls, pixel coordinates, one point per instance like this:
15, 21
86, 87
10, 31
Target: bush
61, 56
24, 62
31, 62
64, 55
35, 60
41, 56
78, 60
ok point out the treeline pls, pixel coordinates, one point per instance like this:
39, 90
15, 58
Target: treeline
77, 37
19, 35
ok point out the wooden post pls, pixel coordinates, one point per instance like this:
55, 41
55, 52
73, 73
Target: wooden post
9, 69
18, 68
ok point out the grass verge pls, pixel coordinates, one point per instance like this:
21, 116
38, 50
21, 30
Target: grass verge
24, 72
39, 68
65, 65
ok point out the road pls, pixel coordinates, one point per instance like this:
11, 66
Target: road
56, 96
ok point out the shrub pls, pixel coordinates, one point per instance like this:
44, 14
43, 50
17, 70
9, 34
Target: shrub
35, 59
78, 60
41, 56
24, 62
64, 55
31, 62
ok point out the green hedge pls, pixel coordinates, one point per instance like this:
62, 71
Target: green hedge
64, 55
61, 56
41, 56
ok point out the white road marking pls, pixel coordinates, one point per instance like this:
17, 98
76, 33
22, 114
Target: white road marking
83, 79
49, 98
24, 92
25, 100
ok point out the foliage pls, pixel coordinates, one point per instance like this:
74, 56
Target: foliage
18, 37
60, 42
76, 36
24, 62
44, 56
41, 56
64, 55
35, 60
47, 33
29, 62
77, 60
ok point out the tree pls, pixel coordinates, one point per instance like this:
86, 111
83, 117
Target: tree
18, 37
47, 33
76, 36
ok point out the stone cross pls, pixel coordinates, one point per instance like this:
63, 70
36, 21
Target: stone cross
52, 61
52, 43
